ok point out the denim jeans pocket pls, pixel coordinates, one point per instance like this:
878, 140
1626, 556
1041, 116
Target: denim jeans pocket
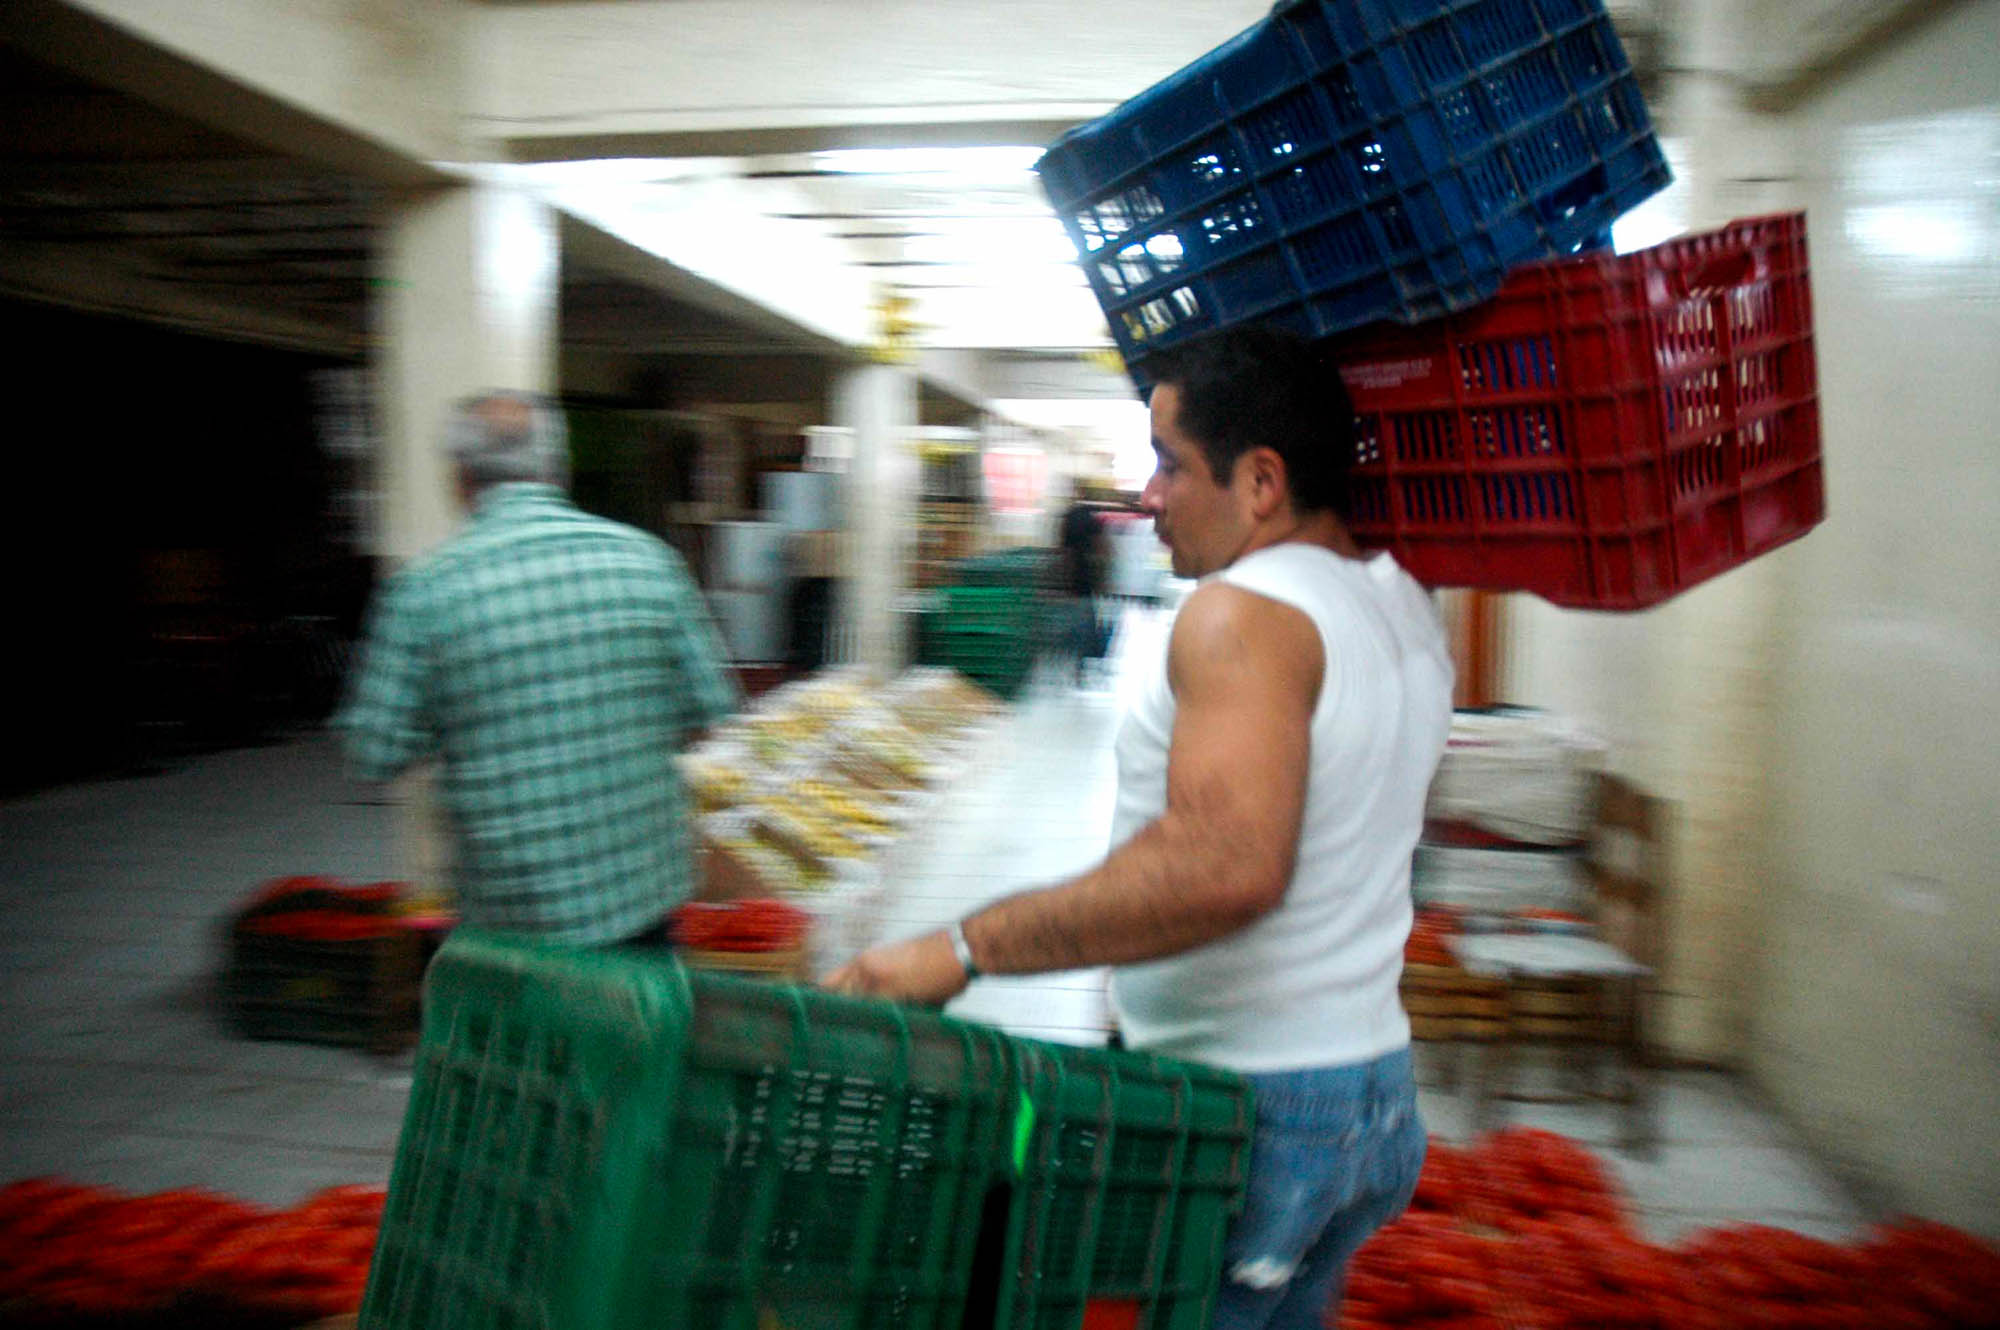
1328, 1144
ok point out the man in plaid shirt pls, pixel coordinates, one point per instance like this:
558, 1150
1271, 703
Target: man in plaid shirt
556, 662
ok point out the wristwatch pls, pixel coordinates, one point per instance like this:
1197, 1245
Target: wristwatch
962, 949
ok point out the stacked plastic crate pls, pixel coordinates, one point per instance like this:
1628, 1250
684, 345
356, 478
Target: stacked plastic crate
989, 622
1601, 431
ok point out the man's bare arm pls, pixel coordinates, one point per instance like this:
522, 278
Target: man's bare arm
1246, 674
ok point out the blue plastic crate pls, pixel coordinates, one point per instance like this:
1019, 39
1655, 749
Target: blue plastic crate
1347, 161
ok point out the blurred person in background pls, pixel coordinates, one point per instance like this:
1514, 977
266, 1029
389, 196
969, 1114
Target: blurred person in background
556, 662
814, 561
1083, 553
1272, 771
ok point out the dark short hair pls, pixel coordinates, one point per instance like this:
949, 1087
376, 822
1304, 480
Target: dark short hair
1245, 388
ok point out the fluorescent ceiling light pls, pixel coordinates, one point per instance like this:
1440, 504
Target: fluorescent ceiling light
1012, 242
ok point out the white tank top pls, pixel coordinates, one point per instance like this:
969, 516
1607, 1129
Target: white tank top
1314, 982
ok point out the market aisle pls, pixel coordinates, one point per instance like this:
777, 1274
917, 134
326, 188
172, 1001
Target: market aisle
1042, 814
115, 1070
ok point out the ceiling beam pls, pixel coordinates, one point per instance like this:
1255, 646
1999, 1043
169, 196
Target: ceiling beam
697, 138
102, 283
756, 77
113, 55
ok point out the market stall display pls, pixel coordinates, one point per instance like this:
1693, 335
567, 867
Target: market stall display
756, 936
817, 794
1442, 998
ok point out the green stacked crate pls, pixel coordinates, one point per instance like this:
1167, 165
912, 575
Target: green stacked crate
1132, 1167
997, 606
987, 631
999, 663
1020, 567
608, 1140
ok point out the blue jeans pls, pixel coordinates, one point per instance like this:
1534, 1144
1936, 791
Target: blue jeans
1335, 1156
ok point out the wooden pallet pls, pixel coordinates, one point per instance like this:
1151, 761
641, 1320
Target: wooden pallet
1457, 1027
1449, 1002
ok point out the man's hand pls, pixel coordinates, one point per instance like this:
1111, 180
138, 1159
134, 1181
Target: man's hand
922, 970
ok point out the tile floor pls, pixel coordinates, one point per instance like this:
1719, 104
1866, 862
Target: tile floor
114, 1068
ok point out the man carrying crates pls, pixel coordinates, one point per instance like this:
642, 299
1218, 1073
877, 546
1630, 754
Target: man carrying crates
1271, 782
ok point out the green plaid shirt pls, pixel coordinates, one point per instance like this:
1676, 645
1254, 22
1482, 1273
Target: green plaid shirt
557, 662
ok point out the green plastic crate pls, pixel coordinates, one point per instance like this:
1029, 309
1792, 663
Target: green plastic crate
1133, 1167
981, 636
1003, 680
973, 605
606, 1140
1020, 567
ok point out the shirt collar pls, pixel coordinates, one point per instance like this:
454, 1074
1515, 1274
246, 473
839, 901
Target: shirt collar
514, 494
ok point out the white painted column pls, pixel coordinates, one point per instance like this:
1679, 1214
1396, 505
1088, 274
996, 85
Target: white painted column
879, 403
467, 303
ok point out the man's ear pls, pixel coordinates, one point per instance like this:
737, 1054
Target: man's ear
1268, 488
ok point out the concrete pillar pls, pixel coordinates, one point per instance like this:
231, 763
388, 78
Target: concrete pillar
879, 403
467, 302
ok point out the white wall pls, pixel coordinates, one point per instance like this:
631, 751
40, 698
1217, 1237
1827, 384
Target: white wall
1877, 1008
1826, 718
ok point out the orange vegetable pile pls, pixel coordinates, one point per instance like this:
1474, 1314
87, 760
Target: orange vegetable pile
322, 909
90, 1254
761, 924
1524, 1230
1427, 934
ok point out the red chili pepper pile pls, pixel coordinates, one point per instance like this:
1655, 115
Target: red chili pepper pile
1550, 916
1524, 1230
1908, 1275
1427, 934
761, 924
88, 1253
322, 909
372, 897
321, 926
310, 1262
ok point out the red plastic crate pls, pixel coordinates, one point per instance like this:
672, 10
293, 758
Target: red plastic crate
1607, 431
